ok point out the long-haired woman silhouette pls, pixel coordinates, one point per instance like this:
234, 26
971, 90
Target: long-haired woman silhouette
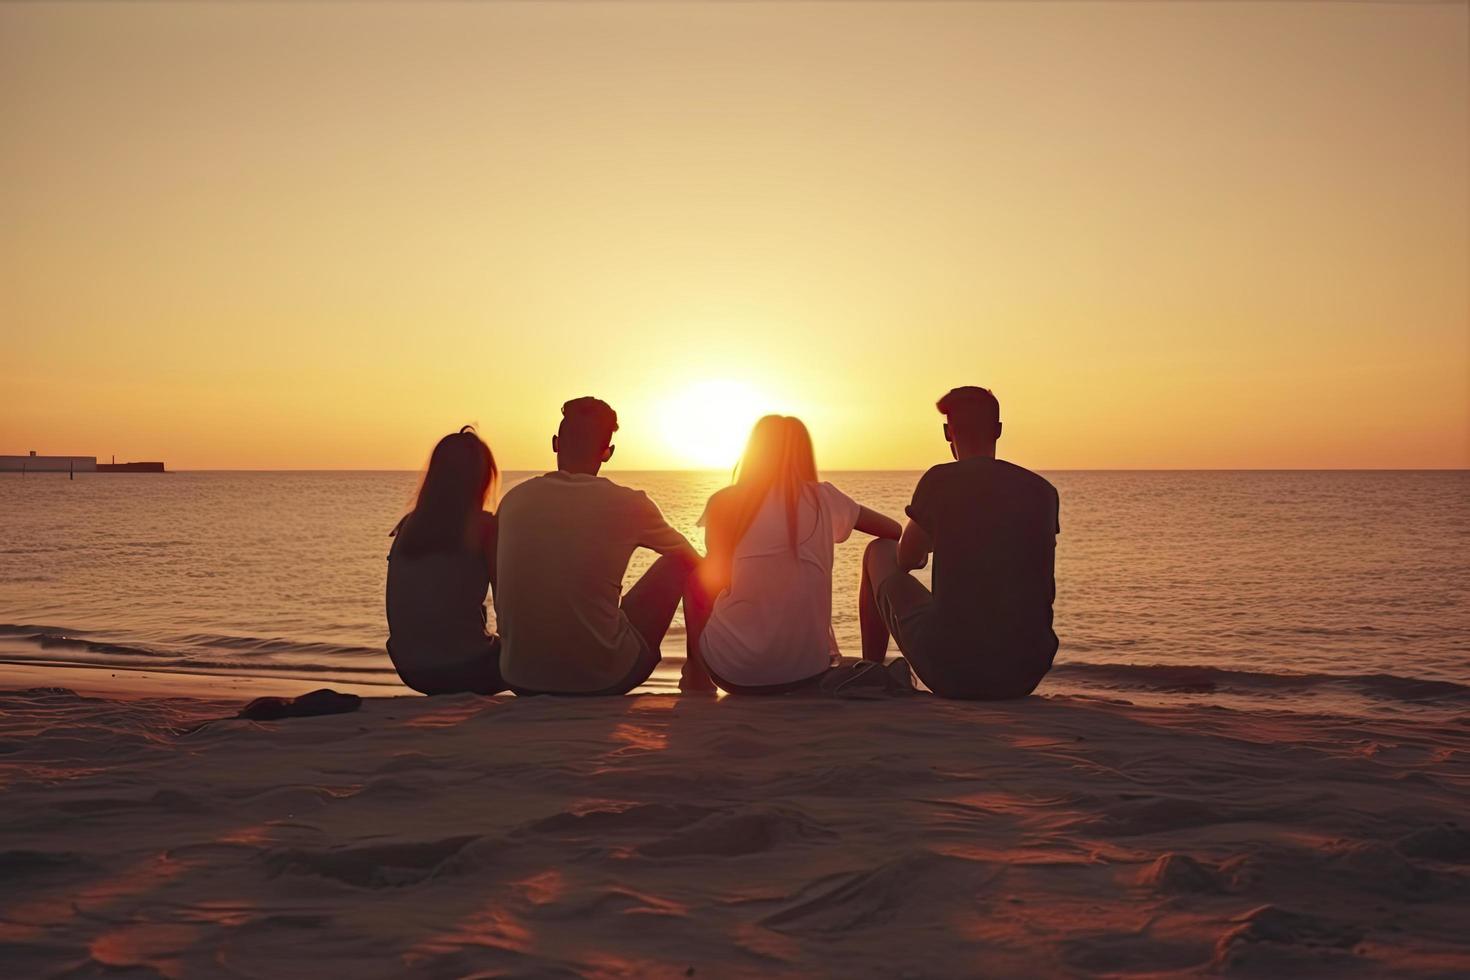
440, 569
759, 620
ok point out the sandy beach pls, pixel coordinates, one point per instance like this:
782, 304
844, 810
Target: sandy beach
148, 834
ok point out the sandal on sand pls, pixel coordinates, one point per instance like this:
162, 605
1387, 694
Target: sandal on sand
900, 677
866, 679
322, 702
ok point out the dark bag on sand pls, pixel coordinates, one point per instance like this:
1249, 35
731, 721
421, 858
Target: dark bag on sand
322, 702
866, 679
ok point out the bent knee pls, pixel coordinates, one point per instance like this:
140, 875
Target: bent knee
881, 558
677, 563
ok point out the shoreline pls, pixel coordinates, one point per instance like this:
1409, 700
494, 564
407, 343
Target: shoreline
139, 683
131, 683
1365, 695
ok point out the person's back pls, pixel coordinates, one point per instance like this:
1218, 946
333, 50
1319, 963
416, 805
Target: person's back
565, 542
993, 525
436, 604
565, 539
764, 619
985, 631
777, 611
440, 569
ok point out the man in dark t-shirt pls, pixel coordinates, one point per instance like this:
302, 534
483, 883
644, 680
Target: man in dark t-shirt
985, 632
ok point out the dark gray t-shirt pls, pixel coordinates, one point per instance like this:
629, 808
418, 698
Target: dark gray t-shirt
994, 528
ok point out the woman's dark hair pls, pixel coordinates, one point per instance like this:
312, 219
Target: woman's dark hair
461, 479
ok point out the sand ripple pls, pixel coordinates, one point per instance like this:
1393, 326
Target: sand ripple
464, 836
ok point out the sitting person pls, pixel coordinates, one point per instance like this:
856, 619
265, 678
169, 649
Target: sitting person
440, 567
759, 614
565, 541
985, 633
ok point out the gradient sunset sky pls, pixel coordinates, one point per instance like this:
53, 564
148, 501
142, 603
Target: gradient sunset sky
1167, 235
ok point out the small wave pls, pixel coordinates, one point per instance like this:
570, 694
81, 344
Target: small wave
198, 653
1197, 679
256, 644
210, 665
22, 629
315, 673
66, 637
52, 640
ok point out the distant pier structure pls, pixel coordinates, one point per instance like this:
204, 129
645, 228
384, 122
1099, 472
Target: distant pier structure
33, 463
129, 467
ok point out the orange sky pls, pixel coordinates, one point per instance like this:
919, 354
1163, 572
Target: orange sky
1167, 235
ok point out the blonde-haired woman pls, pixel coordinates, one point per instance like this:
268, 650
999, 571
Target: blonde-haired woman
760, 619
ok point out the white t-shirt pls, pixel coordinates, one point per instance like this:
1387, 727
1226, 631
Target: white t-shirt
773, 624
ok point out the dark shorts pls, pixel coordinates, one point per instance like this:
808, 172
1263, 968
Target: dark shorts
480, 675
952, 662
640, 672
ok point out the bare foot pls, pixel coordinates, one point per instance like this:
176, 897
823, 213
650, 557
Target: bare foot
696, 682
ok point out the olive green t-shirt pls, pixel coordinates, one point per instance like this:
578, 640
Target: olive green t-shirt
564, 544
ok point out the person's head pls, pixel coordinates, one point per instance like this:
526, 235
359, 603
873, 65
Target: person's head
778, 457
971, 421
583, 441
460, 480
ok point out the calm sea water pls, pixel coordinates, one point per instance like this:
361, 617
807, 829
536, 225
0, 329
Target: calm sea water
1299, 590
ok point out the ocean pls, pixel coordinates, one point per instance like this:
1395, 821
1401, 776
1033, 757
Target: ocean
1309, 591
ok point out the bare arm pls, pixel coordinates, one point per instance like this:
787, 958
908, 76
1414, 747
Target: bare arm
676, 546
671, 542
687, 553
878, 525
658, 536
714, 572
719, 544
914, 547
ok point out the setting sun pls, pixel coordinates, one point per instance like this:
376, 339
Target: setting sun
706, 424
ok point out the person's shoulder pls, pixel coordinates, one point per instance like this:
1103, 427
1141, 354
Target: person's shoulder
1022, 475
717, 506
611, 487
827, 490
527, 492
938, 474
721, 498
526, 488
636, 500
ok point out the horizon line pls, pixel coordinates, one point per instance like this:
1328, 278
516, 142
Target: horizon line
849, 469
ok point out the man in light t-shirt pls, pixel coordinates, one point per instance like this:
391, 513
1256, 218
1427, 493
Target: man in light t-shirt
564, 543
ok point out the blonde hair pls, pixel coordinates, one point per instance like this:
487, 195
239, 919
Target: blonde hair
778, 458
